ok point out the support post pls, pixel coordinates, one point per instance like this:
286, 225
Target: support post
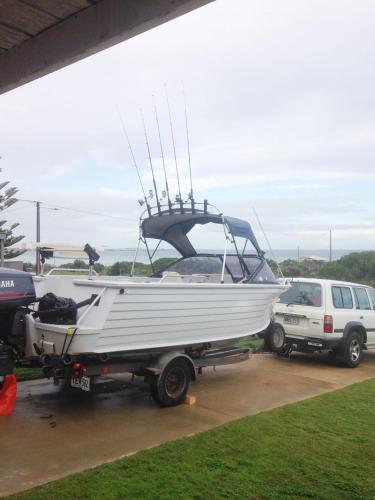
330, 245
37, 263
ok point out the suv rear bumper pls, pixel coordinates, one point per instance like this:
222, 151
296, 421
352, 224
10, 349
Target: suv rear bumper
312, 343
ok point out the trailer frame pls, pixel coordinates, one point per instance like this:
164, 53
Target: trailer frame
168, 373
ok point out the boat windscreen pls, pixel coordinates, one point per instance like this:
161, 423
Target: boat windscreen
199, 264
258, 269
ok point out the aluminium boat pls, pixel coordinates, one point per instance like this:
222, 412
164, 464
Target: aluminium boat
198, 301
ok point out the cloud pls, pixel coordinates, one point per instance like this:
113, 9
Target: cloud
280, 107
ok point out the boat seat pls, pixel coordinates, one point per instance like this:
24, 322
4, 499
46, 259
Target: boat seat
195, 278
174, 277
171, 277
216, 278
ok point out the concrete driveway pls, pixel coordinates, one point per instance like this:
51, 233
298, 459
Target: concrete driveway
52, 434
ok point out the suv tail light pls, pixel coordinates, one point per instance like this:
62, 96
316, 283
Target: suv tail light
77, 371
328, 324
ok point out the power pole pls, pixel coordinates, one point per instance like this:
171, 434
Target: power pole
330, 245
37, 263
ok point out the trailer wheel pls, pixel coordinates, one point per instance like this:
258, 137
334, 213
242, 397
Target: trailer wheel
173, 383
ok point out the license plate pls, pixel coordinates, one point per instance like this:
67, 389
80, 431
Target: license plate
290, 320
82, 383
315, 344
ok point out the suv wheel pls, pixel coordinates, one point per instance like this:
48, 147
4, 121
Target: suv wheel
275, 338
352, 350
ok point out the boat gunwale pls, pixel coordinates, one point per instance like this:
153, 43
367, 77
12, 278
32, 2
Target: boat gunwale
161, 284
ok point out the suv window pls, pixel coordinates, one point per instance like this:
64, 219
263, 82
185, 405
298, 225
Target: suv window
342, 297
361, 299
371, 293
308, 294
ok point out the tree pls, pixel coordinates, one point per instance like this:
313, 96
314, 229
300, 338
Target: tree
163, 262
358, 267
76, 264
7, 200
124, 268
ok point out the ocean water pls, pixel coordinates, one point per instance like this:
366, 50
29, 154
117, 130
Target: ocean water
109, 257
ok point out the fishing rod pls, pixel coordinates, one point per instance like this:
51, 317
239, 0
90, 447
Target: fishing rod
191, 196
268, 243
162, 156
134, 160
174, 149
150, 160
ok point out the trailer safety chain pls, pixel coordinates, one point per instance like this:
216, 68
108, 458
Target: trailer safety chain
70, 332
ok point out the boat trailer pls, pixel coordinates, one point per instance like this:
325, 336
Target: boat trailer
168, 373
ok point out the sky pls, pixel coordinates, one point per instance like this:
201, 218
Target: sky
281, 112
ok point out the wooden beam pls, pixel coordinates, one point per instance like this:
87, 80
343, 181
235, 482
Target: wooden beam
98, 27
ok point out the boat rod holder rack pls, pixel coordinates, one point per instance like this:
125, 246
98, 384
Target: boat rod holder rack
93, 257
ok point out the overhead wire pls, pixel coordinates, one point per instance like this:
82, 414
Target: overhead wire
76, 210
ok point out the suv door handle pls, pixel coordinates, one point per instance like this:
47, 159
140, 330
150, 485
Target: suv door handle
361, 317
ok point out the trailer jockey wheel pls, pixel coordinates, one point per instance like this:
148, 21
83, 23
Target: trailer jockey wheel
173, 383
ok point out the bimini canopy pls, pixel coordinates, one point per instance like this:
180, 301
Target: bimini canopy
174, 227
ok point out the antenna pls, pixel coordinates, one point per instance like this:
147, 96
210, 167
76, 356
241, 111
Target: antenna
188, 147
133, 158
268, 243
162, 156
174, 148
151, 166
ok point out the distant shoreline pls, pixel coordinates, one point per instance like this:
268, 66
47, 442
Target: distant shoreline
111, 255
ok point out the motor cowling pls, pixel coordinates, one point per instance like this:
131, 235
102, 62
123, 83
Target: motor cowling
17, 291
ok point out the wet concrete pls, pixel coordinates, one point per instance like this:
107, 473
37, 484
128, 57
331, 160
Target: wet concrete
53, 433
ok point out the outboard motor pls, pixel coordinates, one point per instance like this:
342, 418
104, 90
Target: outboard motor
16, 292
57, 310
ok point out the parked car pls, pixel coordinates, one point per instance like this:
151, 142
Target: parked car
316, 315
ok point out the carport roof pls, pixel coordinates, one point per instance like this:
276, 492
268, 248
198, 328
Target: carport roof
40, 36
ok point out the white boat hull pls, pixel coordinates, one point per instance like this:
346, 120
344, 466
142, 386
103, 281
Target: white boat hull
133, 316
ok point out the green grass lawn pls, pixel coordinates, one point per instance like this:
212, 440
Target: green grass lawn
252, 342
28, 373
319, 448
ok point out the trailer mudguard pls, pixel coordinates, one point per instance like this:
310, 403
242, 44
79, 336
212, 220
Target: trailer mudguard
164, 359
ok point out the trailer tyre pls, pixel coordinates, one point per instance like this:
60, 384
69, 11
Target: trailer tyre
275, 338
173, 384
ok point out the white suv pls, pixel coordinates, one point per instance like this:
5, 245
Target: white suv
315, 315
